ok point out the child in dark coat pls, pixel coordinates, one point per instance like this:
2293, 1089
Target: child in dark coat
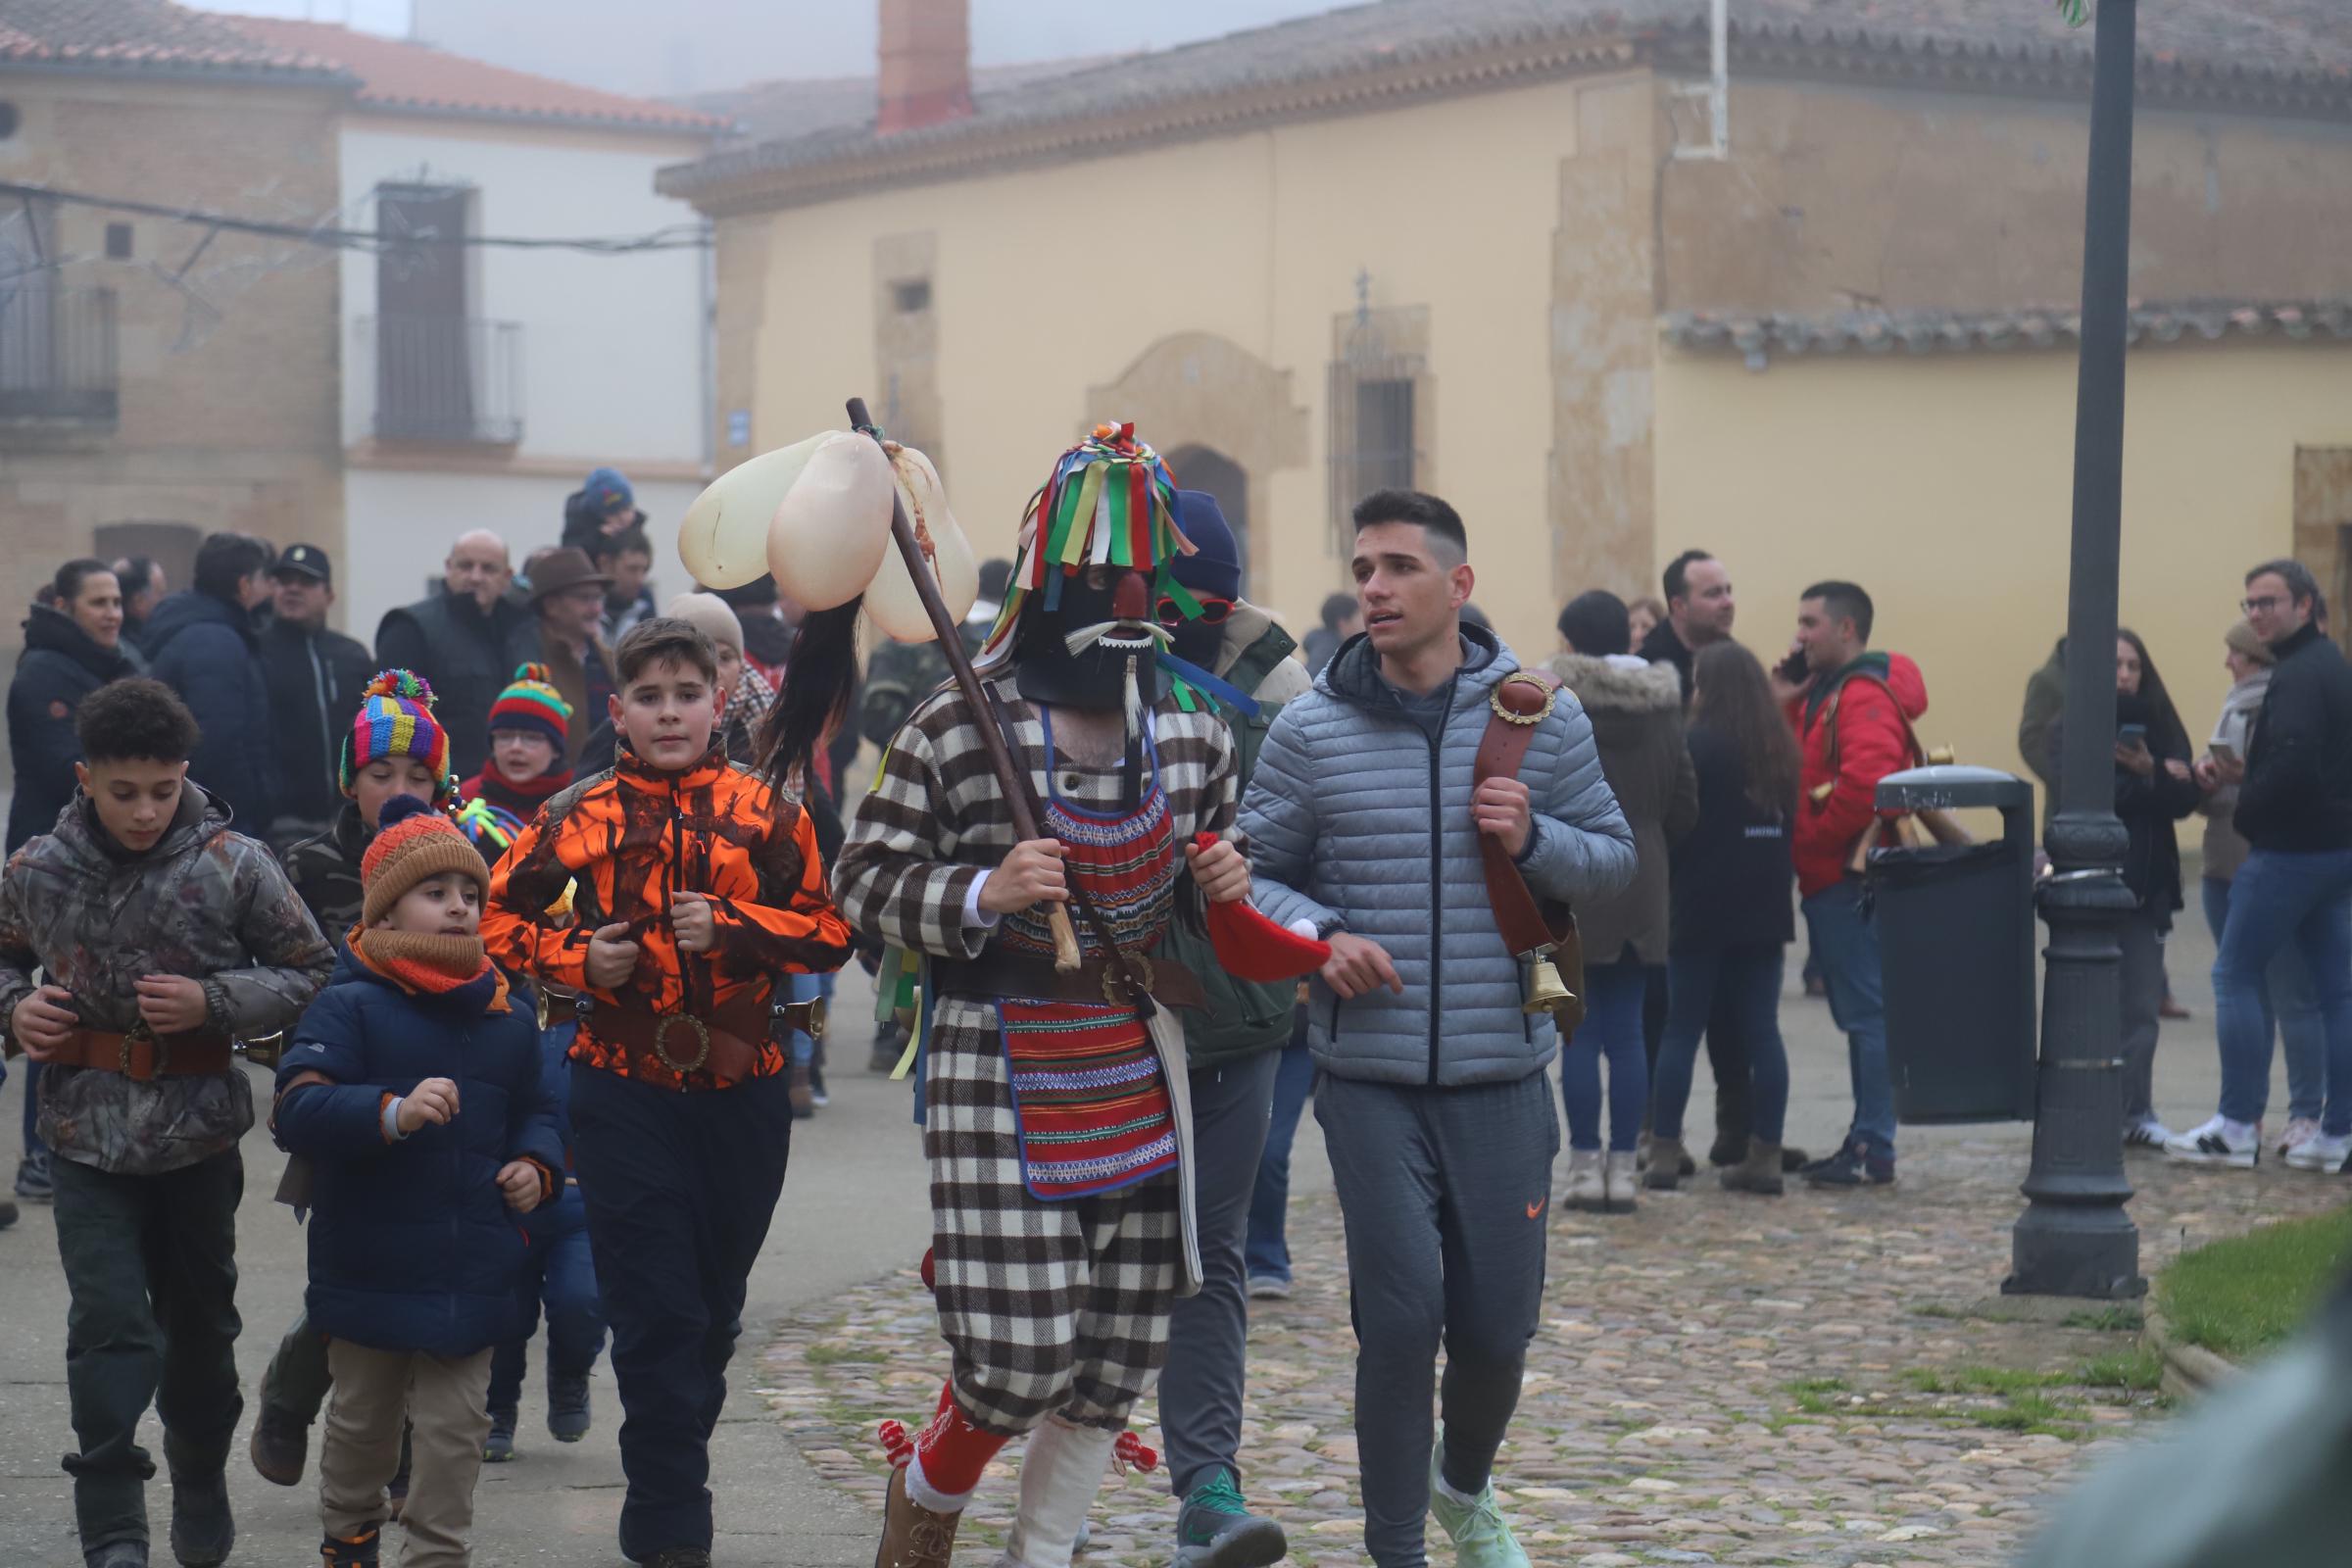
416, 1090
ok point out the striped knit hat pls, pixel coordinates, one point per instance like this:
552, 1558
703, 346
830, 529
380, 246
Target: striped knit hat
532, 704
395, 720
416, 842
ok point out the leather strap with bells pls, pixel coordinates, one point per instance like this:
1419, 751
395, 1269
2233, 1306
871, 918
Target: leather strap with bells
1542, 932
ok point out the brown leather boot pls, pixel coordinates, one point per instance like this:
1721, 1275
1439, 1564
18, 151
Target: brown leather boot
1759, 1172
1665, 1171
912, 1536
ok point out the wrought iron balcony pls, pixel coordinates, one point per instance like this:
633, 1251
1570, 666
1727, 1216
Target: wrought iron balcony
449, 380
57, 354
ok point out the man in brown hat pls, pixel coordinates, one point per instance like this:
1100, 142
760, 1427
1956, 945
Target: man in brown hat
567, 599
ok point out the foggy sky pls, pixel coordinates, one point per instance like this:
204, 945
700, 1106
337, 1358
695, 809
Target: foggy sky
668, 47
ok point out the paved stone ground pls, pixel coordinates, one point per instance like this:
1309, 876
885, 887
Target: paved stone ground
1719, 1379
1821, 1379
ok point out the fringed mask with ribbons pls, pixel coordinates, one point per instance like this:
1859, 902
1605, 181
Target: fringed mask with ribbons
1078, 624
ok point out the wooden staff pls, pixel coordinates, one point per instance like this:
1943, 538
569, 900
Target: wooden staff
1009, 782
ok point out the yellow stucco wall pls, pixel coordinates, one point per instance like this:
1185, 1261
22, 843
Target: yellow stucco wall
1942, 484
1054, 281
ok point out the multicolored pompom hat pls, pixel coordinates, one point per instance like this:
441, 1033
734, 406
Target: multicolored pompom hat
531, 703
395, 720
1111, 502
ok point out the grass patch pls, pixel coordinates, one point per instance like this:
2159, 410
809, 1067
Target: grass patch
1816, 1386
2033, 1415
2239, 1296
1993, 1381
835, 1354
2107, 1320
2134, 1370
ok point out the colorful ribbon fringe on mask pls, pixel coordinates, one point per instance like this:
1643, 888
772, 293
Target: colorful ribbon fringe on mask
1111, 502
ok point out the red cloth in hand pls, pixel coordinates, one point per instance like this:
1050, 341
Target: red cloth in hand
1251, 947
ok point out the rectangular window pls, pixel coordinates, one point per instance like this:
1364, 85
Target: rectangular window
1384, 436
423, 351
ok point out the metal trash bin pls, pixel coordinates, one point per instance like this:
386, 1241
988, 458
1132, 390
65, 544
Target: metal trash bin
1956, 947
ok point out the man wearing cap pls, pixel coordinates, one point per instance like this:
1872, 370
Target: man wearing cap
315, 676
567, 597
460, 639
1238, 662
603, 508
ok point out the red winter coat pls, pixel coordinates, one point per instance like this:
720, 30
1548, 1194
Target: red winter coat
1873, 741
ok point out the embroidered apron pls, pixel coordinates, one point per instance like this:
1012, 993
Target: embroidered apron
1089, 1097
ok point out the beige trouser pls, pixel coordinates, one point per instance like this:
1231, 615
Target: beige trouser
446, 1402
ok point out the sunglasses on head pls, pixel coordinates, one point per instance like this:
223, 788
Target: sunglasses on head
1212, 612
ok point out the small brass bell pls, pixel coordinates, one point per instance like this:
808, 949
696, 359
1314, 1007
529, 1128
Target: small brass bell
1546, 990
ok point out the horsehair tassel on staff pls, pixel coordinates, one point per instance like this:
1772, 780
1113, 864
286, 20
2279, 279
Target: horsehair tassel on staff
1010, 783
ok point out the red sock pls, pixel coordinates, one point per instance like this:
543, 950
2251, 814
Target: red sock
953, 1452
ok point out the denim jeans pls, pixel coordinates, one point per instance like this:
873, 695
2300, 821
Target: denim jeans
1612, 1030
1267, 1252
1845, 943
557, 1269
2288, 1003
2281, 900
803, 987
1745, 982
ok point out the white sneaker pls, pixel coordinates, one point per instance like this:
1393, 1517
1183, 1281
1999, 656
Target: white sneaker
2149, 1134
2232, 1143
2321, 1152
1269, 1288
2298, 1129
1587, 1183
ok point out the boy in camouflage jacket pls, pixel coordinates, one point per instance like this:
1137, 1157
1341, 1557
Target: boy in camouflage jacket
163, 936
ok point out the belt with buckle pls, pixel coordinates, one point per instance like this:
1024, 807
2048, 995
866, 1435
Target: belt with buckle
142, 1055
1018, 974
724, 1042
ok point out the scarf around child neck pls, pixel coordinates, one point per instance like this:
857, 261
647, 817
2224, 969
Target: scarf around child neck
426, 962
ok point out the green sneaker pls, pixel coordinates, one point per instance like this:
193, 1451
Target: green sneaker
1481, 1538
1215, 1528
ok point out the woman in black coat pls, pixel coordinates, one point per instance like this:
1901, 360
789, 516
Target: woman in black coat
1732, 911
69, 652
2154, 787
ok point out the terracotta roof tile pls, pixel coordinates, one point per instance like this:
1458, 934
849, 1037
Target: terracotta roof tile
142, 36
1760, 336
2292, 56
398, 75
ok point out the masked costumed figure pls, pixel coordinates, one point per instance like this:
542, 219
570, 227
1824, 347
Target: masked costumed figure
1056, 1126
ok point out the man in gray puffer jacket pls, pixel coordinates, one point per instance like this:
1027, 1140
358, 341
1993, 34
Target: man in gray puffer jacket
1363, 823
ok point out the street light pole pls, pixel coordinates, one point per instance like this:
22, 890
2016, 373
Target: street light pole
2074, 1238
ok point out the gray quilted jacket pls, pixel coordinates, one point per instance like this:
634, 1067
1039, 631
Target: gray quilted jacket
1359, 818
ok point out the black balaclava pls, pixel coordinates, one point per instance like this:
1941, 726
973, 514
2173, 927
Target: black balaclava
1116, 666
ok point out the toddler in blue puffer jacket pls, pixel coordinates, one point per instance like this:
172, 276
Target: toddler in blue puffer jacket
419, 1093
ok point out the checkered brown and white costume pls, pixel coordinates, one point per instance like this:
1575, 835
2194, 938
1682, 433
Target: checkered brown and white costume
1047, 1306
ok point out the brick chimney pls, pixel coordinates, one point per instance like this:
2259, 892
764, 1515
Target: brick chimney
926, 64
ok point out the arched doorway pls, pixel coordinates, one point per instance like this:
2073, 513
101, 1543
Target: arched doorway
1224, 419
1208, 468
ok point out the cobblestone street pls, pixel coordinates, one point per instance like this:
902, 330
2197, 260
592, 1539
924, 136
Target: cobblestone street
1819, 1379
1719, 1380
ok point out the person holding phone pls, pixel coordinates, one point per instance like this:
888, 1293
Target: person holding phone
2154, 787
2289, 1003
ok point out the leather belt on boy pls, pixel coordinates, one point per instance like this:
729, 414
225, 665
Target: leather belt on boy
142, 1055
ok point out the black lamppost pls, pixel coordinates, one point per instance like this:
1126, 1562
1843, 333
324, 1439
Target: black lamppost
2074, 1238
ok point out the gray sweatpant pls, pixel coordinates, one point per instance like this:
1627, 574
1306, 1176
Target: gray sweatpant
1209, 1333
1445, 1194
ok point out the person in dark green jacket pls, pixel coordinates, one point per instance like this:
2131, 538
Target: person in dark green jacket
1234, 1047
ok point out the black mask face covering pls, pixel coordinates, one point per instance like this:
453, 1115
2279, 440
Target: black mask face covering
1045, 670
